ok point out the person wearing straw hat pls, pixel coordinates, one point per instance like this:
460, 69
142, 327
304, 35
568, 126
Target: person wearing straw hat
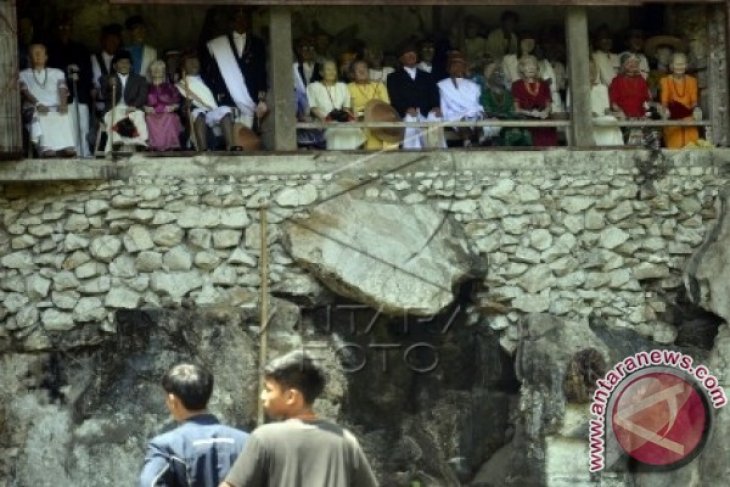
363, 91
380, 111
678, 94
659, 49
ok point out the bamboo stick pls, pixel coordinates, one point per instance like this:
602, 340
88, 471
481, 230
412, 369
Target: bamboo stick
263, 308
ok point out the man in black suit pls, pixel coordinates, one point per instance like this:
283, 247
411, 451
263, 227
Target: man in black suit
234, 66
414, 94
306, 65
306, 70
126, 95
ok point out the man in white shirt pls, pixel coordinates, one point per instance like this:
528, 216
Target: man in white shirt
606, 61
45, 95
460, 97
202, 108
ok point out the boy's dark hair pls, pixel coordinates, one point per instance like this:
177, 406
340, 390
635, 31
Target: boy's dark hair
191, 383
297, 370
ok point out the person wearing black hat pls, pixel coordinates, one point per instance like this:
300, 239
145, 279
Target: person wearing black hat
414, 94
126, 94
142, 54
234, 66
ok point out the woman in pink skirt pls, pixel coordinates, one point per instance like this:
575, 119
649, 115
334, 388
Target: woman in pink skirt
163, 100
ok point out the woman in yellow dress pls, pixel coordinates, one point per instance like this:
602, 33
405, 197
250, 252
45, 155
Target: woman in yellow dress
362, 91
678, 93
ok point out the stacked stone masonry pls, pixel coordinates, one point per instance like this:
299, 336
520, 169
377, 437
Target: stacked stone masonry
570, 236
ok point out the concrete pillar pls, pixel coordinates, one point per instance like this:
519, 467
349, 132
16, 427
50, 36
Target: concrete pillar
576, 33
281, 94
717, 65
11, 138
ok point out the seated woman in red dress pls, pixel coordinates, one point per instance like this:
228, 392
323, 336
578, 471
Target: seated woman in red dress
629, 91
163, 100
532, 99
629, 95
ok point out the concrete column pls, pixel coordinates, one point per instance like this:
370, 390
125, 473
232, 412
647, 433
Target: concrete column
576, 33
281, 94
11, 138
718, 83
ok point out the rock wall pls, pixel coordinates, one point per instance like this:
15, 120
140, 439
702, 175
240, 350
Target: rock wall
574, 242
91, 271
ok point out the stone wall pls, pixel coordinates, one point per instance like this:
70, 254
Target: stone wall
588, 237
580, 239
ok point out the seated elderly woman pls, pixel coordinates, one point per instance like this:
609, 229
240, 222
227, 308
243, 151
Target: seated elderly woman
330, 101
532, 99
460, 97
629, 95
362, 92
498, 103
163, 100
679, 99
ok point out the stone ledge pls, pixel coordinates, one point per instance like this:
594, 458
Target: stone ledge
567, 161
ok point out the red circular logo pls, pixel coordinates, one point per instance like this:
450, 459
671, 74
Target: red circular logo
660, 419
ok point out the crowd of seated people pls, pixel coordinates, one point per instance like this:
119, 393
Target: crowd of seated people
128, 96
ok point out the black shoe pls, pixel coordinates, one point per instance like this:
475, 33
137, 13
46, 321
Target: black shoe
236, 148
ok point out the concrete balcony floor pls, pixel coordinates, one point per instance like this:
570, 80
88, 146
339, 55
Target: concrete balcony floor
331, 164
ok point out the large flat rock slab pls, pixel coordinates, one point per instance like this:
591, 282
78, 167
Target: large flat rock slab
396, 258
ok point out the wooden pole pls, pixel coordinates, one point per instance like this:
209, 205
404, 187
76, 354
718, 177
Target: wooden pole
576, 32
263, 309
720, 121
11, 135
281, 96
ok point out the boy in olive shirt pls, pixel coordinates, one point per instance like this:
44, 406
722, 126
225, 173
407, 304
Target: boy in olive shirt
300, 450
